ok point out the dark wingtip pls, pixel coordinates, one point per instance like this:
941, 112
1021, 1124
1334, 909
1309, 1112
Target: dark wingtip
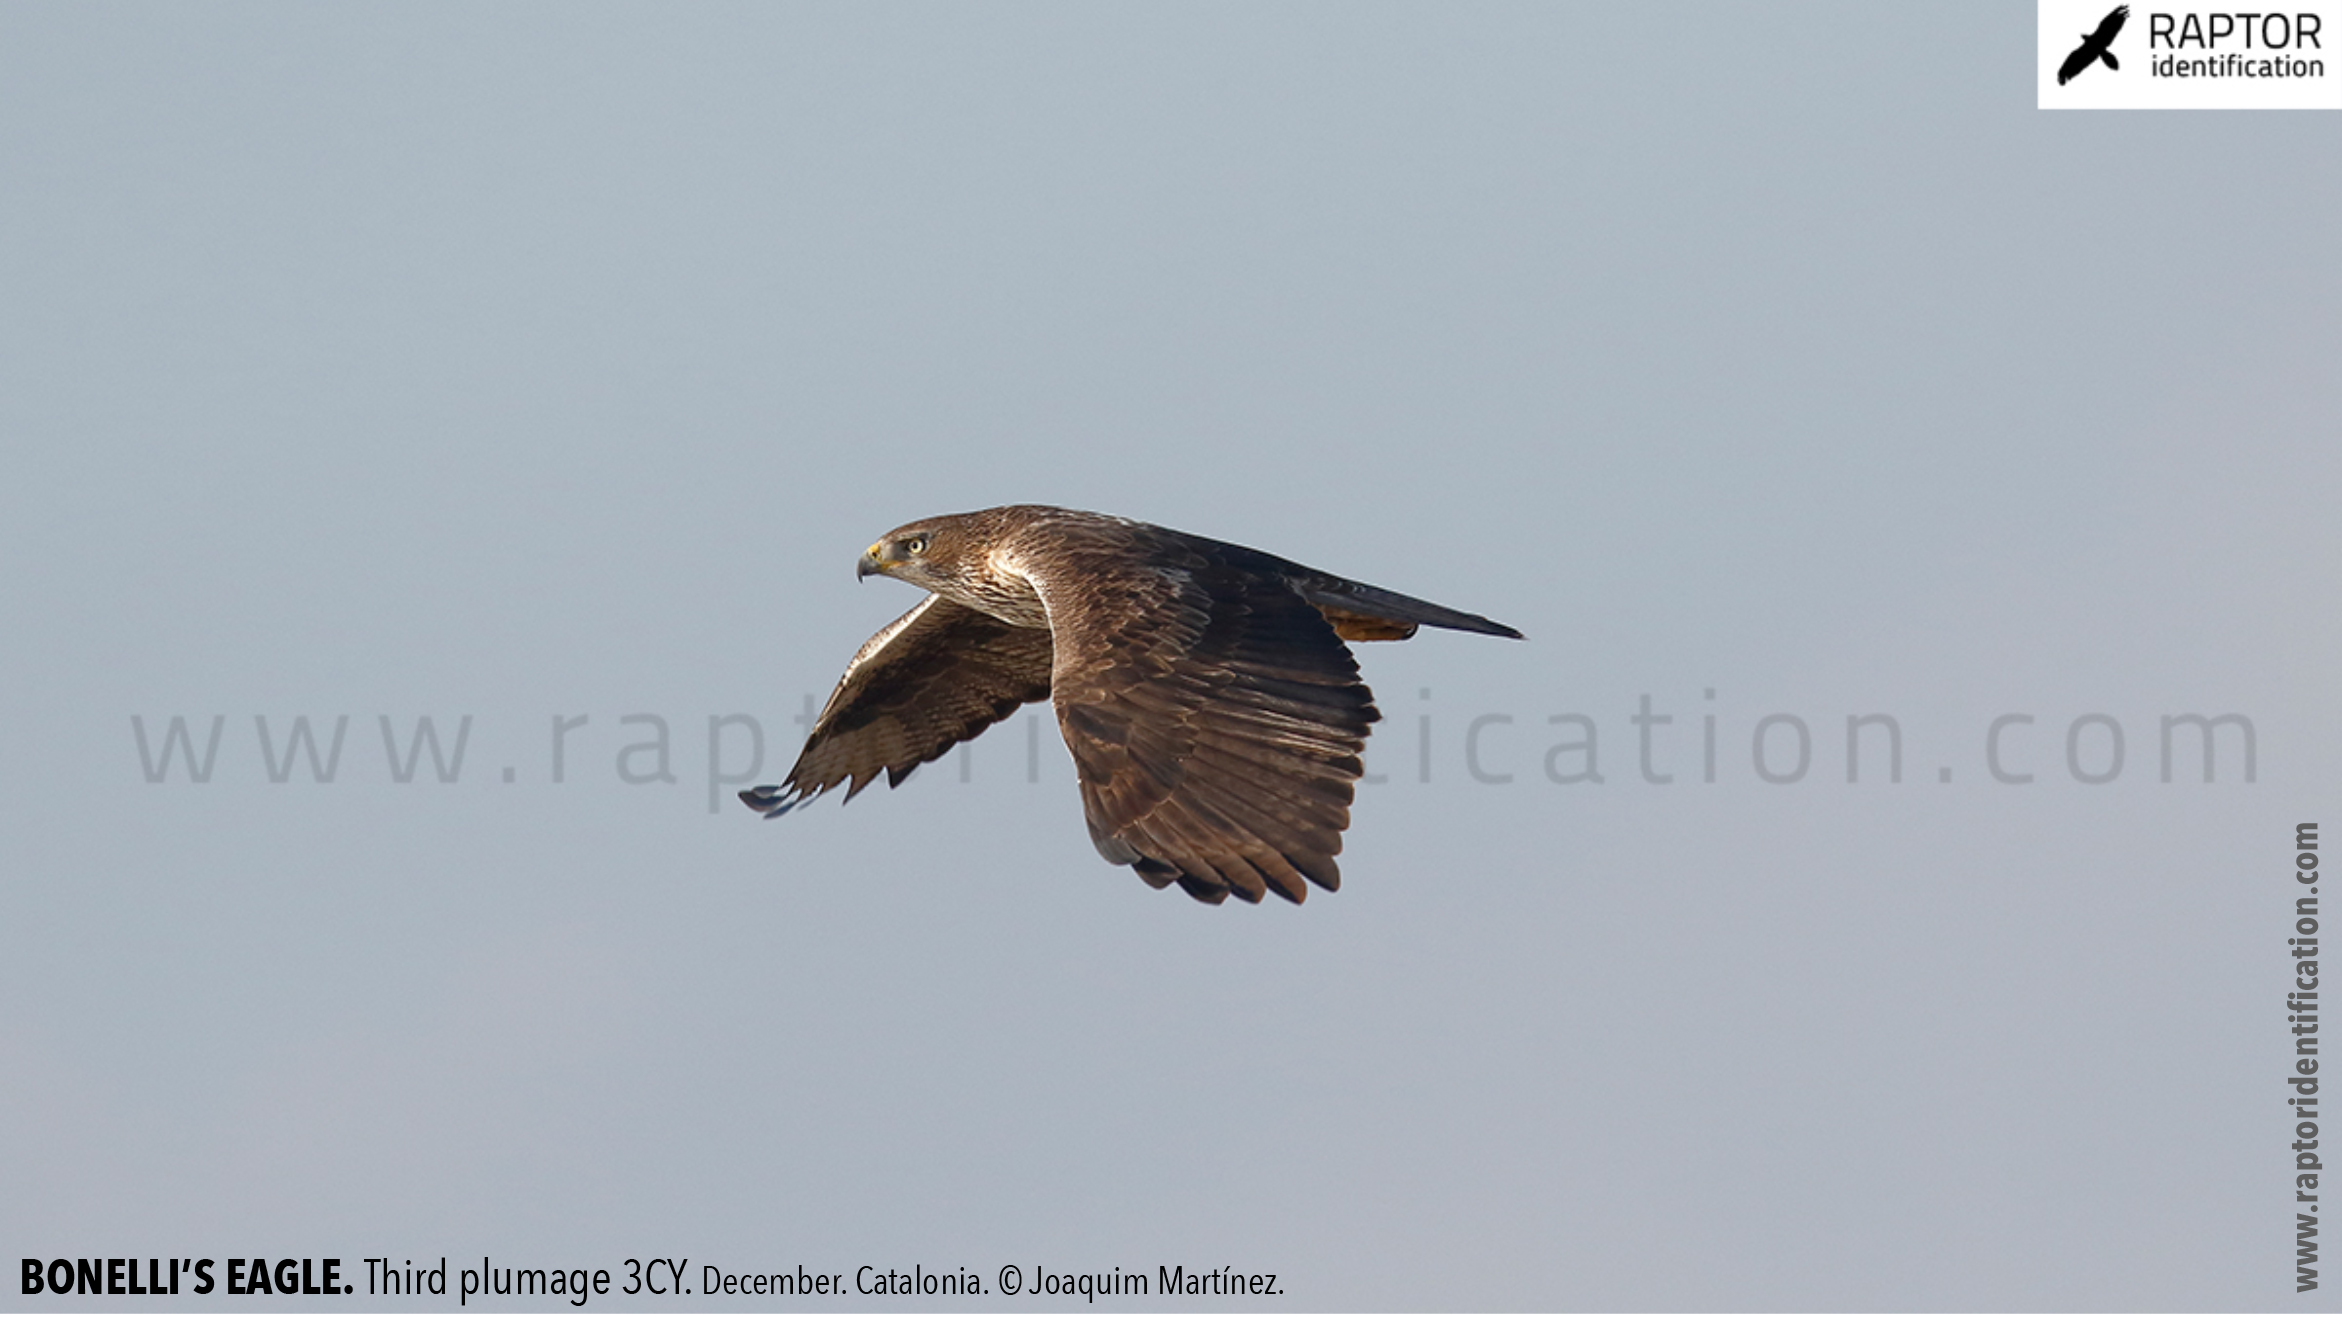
1208, 893
1157, 874
772, 802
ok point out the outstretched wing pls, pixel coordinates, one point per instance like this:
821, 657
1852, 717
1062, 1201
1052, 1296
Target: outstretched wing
2108, 26
932, 678
1215, 718
2076, 62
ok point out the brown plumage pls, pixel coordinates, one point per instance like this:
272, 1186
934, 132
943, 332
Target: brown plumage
1214, 713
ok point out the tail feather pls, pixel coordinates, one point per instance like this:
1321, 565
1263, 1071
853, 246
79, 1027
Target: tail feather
1355, 608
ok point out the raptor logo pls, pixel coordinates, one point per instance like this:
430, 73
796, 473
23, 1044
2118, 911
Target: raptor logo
2096, 46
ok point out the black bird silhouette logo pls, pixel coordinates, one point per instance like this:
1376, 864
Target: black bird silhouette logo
2096, 46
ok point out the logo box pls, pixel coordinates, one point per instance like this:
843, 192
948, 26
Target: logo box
2101, 55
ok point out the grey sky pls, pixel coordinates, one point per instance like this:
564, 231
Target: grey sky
531, 362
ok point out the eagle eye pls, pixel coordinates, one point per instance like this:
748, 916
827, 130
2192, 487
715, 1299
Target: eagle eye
915, 544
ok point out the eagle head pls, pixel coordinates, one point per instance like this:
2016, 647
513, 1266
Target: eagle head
920, 553
950, 556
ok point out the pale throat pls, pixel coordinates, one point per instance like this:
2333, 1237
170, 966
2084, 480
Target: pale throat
999, 588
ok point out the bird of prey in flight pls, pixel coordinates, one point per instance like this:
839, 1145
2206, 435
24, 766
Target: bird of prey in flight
1214, 713
2098, 45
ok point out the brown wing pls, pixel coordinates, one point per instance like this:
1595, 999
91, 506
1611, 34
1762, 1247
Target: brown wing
932, 678
1215, 718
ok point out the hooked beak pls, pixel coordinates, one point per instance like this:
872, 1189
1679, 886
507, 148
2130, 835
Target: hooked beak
873, 562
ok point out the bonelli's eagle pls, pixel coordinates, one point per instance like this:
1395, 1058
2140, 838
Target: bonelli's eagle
1214, 714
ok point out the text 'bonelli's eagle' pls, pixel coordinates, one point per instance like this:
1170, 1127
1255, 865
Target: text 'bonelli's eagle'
1214, 714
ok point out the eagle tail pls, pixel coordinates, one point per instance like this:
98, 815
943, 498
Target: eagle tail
2108, 56
1365, 612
